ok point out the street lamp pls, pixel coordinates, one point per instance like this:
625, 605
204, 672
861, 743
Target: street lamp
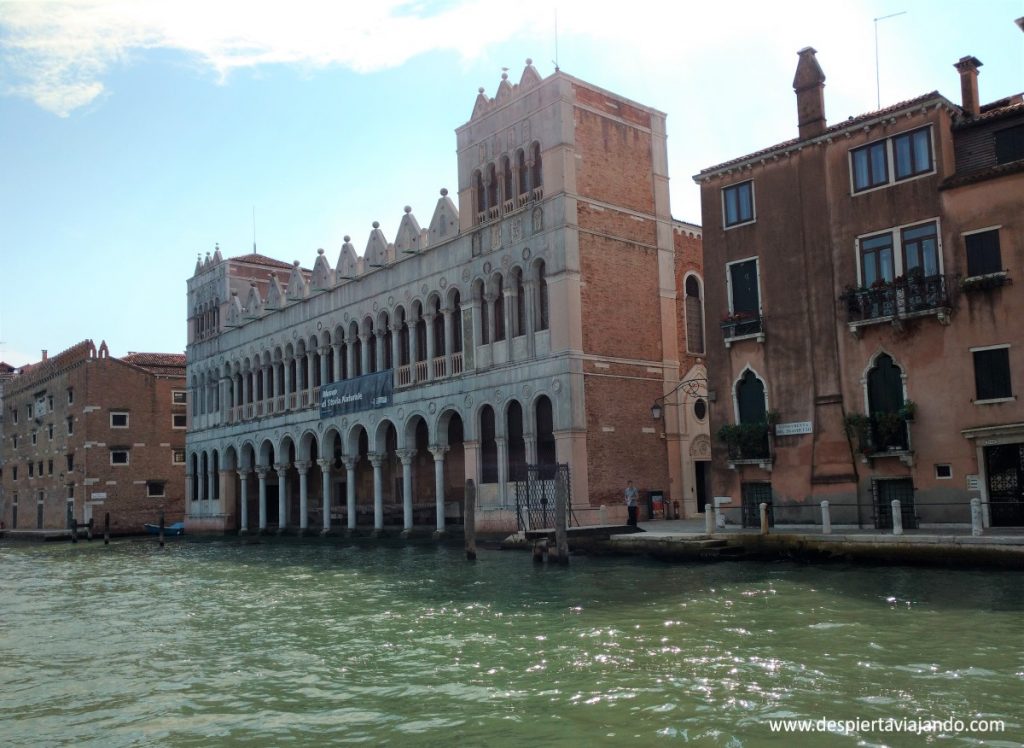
690, 386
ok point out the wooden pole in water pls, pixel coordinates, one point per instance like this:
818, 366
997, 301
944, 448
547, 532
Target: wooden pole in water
561, 536
161, 528
74, 530
470, 520
106, 529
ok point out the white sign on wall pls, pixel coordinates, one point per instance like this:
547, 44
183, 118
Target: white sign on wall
791, 429
973, 484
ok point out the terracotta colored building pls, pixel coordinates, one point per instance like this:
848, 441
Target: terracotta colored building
533, 321
86, 434
870, 345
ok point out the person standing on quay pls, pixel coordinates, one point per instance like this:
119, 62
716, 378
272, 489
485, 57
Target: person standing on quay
631, 503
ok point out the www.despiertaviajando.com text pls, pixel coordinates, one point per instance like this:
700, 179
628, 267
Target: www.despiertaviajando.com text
947, 726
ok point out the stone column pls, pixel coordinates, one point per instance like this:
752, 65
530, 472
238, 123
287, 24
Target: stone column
247, 388
531, 448
380, 349
429, 319
438, 452
377, 460
396, 346
310, 370
489, 300
288, 384
350, 354
303, 468
282, 497
325, 351
530, 290
406, 456
336, 352
211, 487
449, 339
267, 394
325, 492
502, 444
225, 398
261, 473
243, 502
414, 348
350, 489
364, 353
478, 335
511, 318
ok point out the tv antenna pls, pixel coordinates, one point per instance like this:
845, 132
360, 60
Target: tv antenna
878, 85
254, 229
556, 39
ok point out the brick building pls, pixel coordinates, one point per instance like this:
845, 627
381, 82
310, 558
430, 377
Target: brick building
864, 273
86, 434
533, 324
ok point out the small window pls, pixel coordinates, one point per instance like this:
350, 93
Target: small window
49, 431
14, 414
1010, 144
71, 425
71, 490
738, 203
155, 489
119, 420
700, 409
14, 441
943, 472
870, 166
31, 470
178, 397
33, 438
992, 373
71, 396
49, 467
912, 153
14, 473
70, 462
119, 457
178, 457
49, 402
983, 255
178, 420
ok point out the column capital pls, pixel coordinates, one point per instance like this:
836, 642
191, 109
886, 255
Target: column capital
490, 298
364, 337
406, 455
438, 451
261, 471
376, 459
302, 466
281, 468
349, 462
428, 317
380, 332
324, 464
243, 474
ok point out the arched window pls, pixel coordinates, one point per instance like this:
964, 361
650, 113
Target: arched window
438, 331
492, 186
885, 398
542, 297
694, 310
506, 178
544, 419
750, 399
485, 313
535, 171
519, 307
195, 477
522, 172
456, 323
488, 447
389, 362
481, 195
516, 442
499, 311
371, 344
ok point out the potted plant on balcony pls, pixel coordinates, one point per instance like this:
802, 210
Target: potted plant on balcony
858, 426
907, 410
771, 418
729, 435
890, 428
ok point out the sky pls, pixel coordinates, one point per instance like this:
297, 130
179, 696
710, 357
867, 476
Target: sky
135, 135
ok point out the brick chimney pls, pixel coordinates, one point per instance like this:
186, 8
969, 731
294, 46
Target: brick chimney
809, 84
44, 354
968, 69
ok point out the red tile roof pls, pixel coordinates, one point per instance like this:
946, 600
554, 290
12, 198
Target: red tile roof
158, 363
258, 259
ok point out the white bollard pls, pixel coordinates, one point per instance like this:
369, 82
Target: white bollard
897, 518
976, 523
763, 508
709, 519
826, 519
602, 515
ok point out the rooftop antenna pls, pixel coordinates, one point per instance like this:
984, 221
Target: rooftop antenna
878, 86
556, 39
254, 229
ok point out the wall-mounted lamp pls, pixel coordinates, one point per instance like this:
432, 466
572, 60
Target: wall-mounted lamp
691, 387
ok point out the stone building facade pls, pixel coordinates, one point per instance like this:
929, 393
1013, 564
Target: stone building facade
533, 321
86, 434
870, 347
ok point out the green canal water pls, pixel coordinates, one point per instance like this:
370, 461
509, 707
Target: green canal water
325, 643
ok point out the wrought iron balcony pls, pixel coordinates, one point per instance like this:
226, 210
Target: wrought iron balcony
742, 325
912, 296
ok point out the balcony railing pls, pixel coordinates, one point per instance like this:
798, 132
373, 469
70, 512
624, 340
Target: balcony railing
511, 205
421, 371
902, 297
404, 376
439, 368
457, 363
746, 441
742, 325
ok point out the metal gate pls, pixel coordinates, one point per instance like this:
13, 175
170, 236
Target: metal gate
1004, 468
535, 497
883, 491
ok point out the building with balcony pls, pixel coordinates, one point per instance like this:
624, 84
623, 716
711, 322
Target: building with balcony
870, 347
86, 434
531, 323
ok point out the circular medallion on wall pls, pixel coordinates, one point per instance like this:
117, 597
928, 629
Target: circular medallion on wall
295, 334
344, 423
487, 267
443, 283
376, 306
700, 409
424, 289
401, 413
319, 325
468, 401
498, 394
556, 386
320, 426
506, 262
391, 300
526, 253
527, 390
466, 275
432, 407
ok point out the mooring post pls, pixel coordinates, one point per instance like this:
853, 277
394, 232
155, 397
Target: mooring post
106, 529
709, 519
826, 519
561, 536
897, 518
74, 530
161, 528
88, 530
763, 508
976, 523
470, 520
540, 551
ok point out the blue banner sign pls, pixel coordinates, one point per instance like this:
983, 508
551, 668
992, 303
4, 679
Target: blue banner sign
352, 395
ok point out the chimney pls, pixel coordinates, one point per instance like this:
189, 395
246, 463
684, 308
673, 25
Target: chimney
809, 84
44, 354
968, 69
